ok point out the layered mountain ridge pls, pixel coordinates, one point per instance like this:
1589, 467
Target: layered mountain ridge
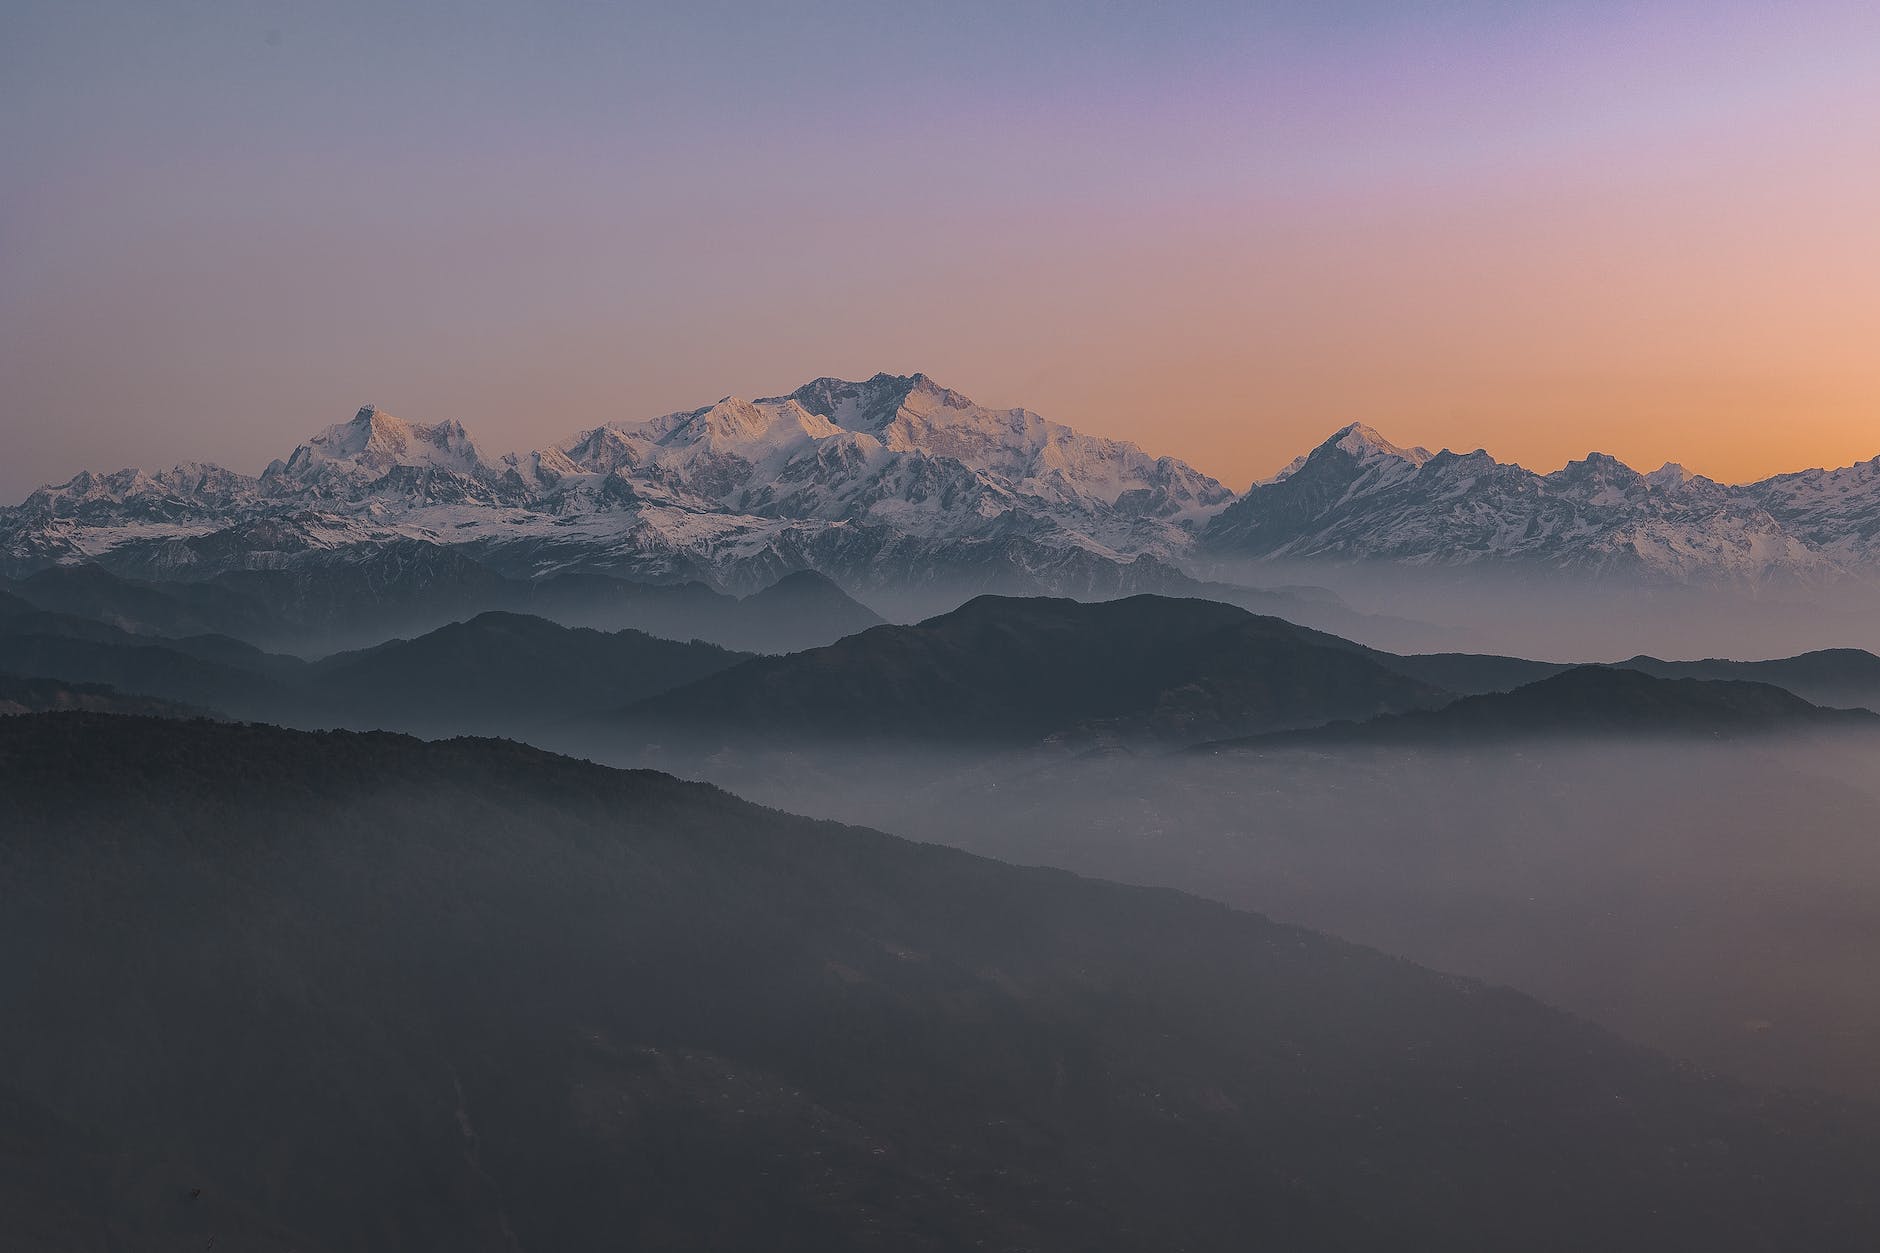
999, 670
1357, 497
897, 481
1588, 702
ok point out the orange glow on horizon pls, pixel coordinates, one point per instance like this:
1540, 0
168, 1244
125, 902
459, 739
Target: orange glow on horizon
1643, 230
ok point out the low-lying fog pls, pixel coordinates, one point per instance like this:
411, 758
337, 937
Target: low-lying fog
1564, 616
1720, 901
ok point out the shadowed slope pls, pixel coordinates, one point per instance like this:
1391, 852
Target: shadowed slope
1001, 669
508, 670
1830, 676
469, 995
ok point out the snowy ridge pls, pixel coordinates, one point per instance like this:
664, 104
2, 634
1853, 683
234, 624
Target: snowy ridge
885, 480
1356, 497
901, 451
375, 441
896, 480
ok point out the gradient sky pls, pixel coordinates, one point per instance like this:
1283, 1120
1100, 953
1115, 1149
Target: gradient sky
1221, 230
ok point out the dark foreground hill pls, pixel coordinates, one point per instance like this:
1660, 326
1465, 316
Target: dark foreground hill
370, 993
1003, 669
1590, 701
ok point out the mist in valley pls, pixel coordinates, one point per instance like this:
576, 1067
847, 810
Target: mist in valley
1711, 898
293, 991
1576, 615
542, 997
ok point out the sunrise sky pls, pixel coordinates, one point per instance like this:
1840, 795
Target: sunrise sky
1221, 230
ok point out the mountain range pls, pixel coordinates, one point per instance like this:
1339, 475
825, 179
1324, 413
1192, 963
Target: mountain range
896, 482
410, 587
1358, 497
500, 673
1002, 670
891, 480
996, 674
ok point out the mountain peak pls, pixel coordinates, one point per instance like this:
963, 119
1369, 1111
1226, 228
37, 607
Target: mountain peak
374, 442
872, 403
1365, 443
1598, 466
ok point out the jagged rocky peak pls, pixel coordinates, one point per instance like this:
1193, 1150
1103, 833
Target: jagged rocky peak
1597, 467
1285, 472
734, 424
1359, 498
1364, 443
873, 403
833, 444
599, 451
1599, 470
375, 442
202, 477
188, 487
1353, 456
913, 413
547, 463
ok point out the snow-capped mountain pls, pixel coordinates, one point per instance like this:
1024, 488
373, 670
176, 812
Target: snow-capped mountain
375, 452
894, 479
1359, 497
903, 452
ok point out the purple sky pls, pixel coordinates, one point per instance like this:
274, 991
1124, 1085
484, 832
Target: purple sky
1219, 230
